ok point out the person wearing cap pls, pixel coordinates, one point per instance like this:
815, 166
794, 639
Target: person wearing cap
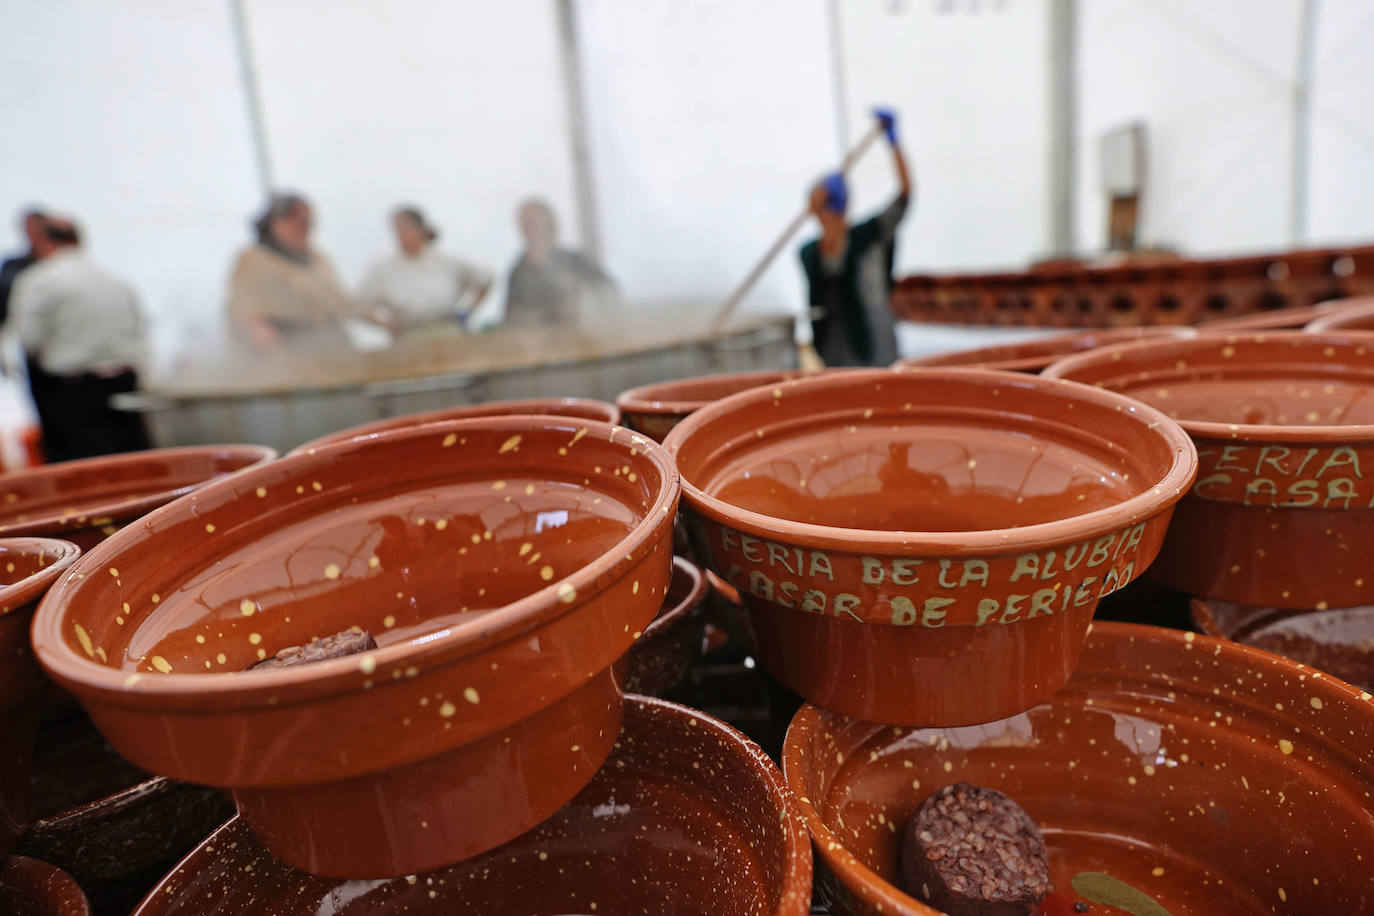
282, 289
849, 268
84, 330
420, 286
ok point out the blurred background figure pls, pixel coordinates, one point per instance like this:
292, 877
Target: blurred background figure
549, 284
31, 223
420, 286
849, 269
84, 334
283, 290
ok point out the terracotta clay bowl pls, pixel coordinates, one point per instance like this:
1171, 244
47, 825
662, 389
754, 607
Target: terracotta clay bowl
556, 407
1355, 314
28, 567
927, 546
503, 565
1339, 641
1272, 320
1212, 777
29, 887
1034, 355
687, 817
655, 409
1282, 512
659, 659
88, 500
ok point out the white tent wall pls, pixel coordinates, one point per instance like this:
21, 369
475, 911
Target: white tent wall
130, 115
970, 82
1211, 81
1341, 171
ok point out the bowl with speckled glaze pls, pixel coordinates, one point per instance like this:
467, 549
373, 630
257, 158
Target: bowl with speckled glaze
1270, 320
687, 817
1282, 511
1209, 776
28, 568
660, 658
88, 500
1339, 641
557, 407
655, 409
927, 546
1353, 314
502, 566
29, 887
1034, 355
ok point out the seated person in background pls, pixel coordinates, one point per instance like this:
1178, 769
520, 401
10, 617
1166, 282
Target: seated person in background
282, 290
420, 285
552, 285
84, 329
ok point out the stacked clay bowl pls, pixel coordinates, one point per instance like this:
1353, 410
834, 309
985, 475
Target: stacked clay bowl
1282, 512
1355, 314
29, 887
552, 407
1273, 320
502, 565
1034, 355
655, 409
1206, 776
660, 658
1339, 641
88, 500
687, 817
28, 567
927, 546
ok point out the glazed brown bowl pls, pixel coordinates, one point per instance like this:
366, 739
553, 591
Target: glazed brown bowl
554, 407
503, 566
1339, 641
86, 501
659, 659
927, 546
1282, 512
29, 887
655, 409
1212, 777
1034, 355
1272, 320
28, 567
687, 816
1356, 314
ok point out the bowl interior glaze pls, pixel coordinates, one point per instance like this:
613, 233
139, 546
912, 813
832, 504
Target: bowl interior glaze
686, 817
1211, 776
1339, 641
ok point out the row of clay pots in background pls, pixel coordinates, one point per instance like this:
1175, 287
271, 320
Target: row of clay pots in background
1170, 291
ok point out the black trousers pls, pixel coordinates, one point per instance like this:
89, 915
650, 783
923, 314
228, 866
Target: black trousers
76, 416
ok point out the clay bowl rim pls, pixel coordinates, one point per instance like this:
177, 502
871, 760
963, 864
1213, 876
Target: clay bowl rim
1200, 613
336, 676
641, 400
1171, 349
799, 866
1332, 322
1253, 321
696, 594
18, 594
124, 509
521, 407
871, 888
1039, 361
42, 875
1156, 497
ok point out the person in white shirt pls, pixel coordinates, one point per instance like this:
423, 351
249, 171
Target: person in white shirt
84, 329
419, 285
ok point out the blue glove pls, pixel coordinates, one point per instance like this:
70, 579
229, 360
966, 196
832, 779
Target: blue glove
887, 117
836, 193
